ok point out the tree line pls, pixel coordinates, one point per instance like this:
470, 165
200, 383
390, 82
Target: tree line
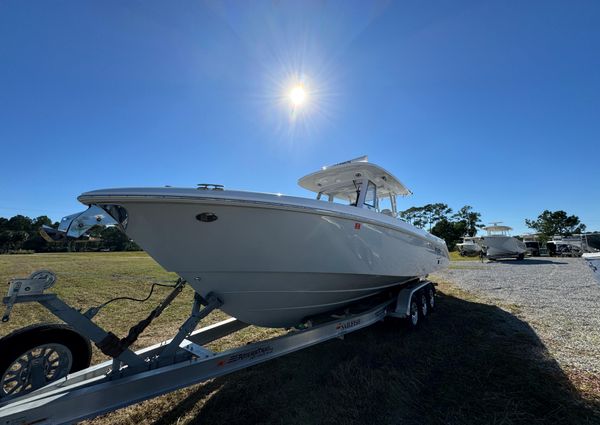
550, 223
440, 221
21, 234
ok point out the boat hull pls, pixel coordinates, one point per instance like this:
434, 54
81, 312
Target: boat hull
499, 246
469, 249
274, 265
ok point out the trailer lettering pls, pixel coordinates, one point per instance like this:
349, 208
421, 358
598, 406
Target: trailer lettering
247, 355
347, 325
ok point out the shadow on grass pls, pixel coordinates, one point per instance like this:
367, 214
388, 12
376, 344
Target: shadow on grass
469, 363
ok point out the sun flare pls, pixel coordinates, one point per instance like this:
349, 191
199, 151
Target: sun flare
298, 95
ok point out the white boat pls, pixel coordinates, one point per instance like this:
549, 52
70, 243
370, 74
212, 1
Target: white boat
593, 260
592, 240
574, 245
499, 244
275, 260
469, 246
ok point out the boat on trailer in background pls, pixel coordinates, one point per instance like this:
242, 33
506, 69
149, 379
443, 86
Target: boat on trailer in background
498, 243
324, 267
574, 245
469, 246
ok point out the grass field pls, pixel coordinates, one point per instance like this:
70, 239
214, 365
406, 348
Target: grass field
470, 363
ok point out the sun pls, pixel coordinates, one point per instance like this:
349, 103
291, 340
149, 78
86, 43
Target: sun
298, 95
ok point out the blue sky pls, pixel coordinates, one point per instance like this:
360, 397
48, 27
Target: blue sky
495, 104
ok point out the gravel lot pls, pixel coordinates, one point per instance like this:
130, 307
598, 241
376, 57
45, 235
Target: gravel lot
558, 297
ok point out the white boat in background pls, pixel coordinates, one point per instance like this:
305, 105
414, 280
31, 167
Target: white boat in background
469, 246
499, 244
592, 241
593, 260
275, 260
574, 245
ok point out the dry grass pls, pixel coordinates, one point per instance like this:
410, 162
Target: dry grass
470, 363
455, 256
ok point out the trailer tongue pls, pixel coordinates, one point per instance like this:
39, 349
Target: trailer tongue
32, 394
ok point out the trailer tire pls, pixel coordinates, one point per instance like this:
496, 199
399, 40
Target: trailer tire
414, 317
521, 257
430, 291
423, 303
56, 349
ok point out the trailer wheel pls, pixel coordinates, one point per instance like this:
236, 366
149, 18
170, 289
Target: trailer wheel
36, 355
430, 291
521, 257
414, 317
423, 303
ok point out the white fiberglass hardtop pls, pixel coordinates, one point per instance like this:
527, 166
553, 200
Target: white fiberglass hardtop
496, 229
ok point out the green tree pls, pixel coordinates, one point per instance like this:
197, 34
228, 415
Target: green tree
427, 215
35, 242
415, 216
550, 223
114, 239
449, 231
19, 222
5, 237
40, 221
436, 212
96, 231
471, 218
17, 237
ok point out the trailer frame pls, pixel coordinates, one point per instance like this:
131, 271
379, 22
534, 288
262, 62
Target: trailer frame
131, 377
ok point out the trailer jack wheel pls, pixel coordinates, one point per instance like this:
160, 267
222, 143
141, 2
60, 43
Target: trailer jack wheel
37, 355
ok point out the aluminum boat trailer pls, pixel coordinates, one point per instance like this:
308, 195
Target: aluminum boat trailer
131, 377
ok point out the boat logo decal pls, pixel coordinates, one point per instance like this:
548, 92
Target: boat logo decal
247, 355
347, 325
207, 217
